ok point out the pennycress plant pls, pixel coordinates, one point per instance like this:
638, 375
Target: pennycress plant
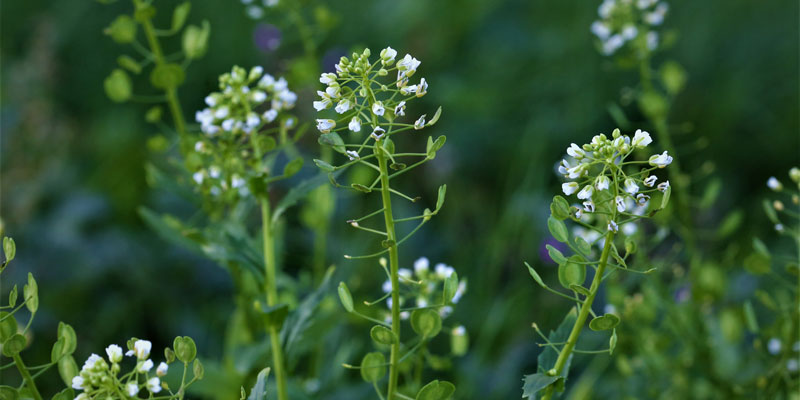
100, 377
369, 103
615, 189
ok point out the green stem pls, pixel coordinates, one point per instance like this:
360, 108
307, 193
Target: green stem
581, 321
27, 377
391, 237
271, 289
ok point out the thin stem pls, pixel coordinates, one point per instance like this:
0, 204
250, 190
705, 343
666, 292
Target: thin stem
394, 262
272, 298
584, 313
26, 376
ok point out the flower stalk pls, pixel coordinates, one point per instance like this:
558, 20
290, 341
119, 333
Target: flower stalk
271, 290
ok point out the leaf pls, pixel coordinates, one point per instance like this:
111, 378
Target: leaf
12, 297
66, 394
274, 316
382, 335
440, 197
10, 393
299, 192
292, 167
604, 323
536, 382
730, 224
179, 15
66, 332
9, 248
8, 326
426, 323
535, 275
345, 297
436, 390
760, 247
582, 245
14, 344
571, 273
67, 369
450, 287
710, 194
185, 349
559, 208
547, 358
197, 369
771, 214
360, 188
332, 139
259, 390
57, 350
435, 146
435, 117
558, 229
612, 342
30, 293
555, 255
195, 40
373, 367
324, 166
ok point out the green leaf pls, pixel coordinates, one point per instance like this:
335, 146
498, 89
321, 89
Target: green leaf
345, 297
711, 193
536, 382
122, 29
450, 287
10, 393
382, 335
324, 165
275, 315
548, 356
179, 15
66, 394
436, 390
559, 208
604, 322
757, 263
572, 273
558, 229
555, 255
360, 188
582, 245
30, 293
57, 350
14, 344
197, 369
167, 76
373, 367
12, 297
435, 117
301, 322
760, 247
195, 40
730, 224
435, 146
332, 139
9, 248
298, 192
66, 332
770, 211
67, 369
118, 86
8, 326
535, 275
293, 167
185, 349
259, 390
440, 197
673, 77
426, 323
612, 342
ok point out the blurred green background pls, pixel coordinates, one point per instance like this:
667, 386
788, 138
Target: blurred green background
518, 81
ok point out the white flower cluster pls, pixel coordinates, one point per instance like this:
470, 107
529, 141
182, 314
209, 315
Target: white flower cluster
357, 95
256, 10
237, 108
628, 21
424, 287
99, 380
587, 167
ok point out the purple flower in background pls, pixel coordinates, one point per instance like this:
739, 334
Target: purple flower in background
267, 37
544, 255
683, 293
331, 58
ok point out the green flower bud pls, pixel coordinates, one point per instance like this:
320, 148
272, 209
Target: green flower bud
122, 29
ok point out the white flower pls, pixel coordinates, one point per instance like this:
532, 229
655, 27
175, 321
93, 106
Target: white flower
631, 186
400, 109
114, 353
575, 151
600, 30
629, 32
82, 396
252, 120
620, 203
650, 181
407, 90
629, 229
774, 184
588, 206
132, 388
792, 365
578, 213
421, 302
352, 155
228, 124
327, 78
641, 139
270, 115
774, 346
214, 172
459, 331
586, 192
421, 265
221, 112
641, 199
604, 10
408, 65
779, 227
462, 287
794, 173
258, 96
91, 362
210, 101
377, 108
602, 183
322, 104
266, 81
142, 347
325, 125
576, 171
387, 55
77, 382
332, 91
652, 40
387, 287
145, 366
162, 369
343, 106
443, 271
660, 160
569, 188
420, 123
404, 273
643, 4
422, 88
562, 167
663, 186
613, 227
377, 133
154, 385
355, 125
612, 44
